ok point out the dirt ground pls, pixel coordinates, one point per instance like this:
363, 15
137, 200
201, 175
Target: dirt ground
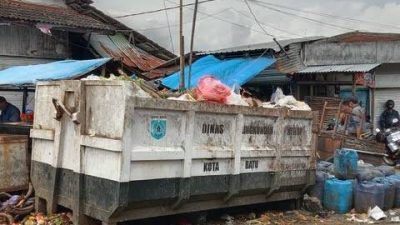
299, 217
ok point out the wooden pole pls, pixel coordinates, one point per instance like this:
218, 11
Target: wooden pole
191, 42
353, 88
181, 48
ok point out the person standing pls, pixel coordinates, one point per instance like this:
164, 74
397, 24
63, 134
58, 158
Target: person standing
356, 118
9, 112
390, 117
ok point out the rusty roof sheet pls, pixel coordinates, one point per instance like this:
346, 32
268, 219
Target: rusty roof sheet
340, 68
118, 47
59, 16
357, 36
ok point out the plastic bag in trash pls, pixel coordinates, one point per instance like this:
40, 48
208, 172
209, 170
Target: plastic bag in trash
236, 99
277, 95
211, 89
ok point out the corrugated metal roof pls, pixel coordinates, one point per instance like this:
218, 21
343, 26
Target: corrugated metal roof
340, 68
118, 47
61, 16
260, 46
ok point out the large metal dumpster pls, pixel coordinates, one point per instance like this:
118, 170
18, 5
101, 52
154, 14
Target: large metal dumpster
14, 157
118, 157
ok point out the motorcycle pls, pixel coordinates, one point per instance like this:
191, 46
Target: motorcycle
391, 138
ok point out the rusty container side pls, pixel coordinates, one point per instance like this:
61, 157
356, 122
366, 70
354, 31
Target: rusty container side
14, 172
327, 146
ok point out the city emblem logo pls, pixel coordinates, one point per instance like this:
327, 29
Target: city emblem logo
158, 127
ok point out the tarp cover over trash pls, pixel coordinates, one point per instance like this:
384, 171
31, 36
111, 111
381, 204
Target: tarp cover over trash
60, 70
230, 72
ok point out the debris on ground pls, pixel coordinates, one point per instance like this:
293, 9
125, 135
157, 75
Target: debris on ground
312, 204
376, 213
15, 207
40, 219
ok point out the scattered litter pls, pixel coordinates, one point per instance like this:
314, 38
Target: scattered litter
236, 99
252, 216
312, 204
185, 97
376, 213
395, 219
392, 212
363, 218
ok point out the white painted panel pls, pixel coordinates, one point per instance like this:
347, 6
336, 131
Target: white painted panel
104, 164
42, 151
258, 133
213, 132
105, 109
147, 170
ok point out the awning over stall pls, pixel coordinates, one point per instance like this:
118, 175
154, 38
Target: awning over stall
230, 71
60, 70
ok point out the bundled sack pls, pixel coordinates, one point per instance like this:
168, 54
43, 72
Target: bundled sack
368, 173
325, 166
213, 90
386, 170
318, 189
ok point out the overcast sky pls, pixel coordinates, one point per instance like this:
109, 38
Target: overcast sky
228, 23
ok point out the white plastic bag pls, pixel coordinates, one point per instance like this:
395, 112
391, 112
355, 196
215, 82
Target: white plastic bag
277, 95
235, 99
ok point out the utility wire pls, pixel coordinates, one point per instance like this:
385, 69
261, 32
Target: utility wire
268, 25
305, 18
255, 19
188, 22
259, 24
226, 21
169, 28
160, 10
329, 15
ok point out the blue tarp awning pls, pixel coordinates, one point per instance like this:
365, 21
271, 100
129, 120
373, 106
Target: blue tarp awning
236, 71
60, 70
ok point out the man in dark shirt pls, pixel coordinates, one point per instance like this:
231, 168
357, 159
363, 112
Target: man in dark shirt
9, 112
390, 117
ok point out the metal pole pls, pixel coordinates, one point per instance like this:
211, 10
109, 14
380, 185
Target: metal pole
181, 48
191, 43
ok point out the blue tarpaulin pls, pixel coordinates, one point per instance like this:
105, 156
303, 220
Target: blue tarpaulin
60, 70
236, 71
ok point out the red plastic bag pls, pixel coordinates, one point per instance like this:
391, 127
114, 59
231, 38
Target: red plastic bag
211, 89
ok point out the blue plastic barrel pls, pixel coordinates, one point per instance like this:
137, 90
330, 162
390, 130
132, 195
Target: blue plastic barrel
345, 163
369, 194
317, 190
338, 195
396, 182
390, 192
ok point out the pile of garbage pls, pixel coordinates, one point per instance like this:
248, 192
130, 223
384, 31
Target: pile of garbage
350, 185
210, 89
41, 219
15, 207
